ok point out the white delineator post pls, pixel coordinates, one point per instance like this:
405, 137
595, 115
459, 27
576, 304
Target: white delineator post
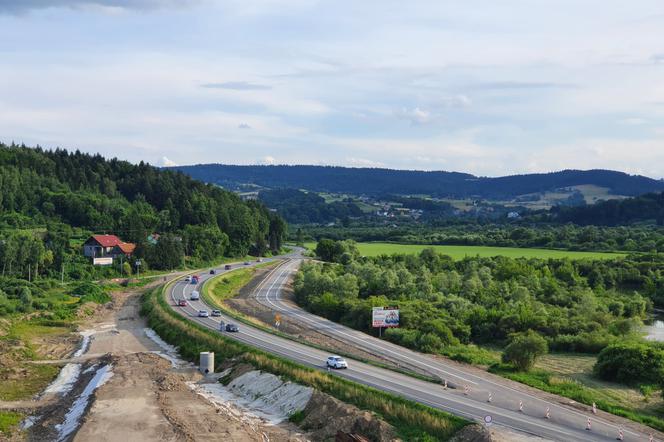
445, 384
490, 398
521, 406
594, 408
547, 415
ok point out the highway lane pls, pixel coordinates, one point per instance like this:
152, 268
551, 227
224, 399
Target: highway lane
563, 424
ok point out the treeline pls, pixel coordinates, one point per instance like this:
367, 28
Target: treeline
48, 192
578, 306
375, 181
642, 209
299, 207
549, 236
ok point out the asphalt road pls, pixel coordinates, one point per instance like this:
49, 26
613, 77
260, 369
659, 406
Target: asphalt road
564, 423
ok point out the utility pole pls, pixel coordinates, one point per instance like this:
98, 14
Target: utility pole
62, 273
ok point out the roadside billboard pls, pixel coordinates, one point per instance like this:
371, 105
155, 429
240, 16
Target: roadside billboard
382, 317
102, 261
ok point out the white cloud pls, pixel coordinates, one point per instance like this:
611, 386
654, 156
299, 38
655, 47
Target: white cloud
168, 163
415, 115
362, 162
513, 92
633, 121
267, 160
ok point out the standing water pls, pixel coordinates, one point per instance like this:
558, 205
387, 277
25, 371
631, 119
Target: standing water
655, 331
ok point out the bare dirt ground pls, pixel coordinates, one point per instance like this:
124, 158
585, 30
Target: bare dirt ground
147, 399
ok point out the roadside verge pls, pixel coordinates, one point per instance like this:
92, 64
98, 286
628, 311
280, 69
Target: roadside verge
413, 420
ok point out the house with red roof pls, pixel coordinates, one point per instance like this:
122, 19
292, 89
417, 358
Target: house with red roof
100, 246
125, 249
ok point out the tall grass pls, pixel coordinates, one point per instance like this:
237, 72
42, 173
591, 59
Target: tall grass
9, 420
414, 421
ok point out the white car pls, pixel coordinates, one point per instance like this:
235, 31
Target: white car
195, 296
187, 279
336, 362
203, 314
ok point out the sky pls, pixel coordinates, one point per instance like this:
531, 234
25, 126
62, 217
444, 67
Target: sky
480, 86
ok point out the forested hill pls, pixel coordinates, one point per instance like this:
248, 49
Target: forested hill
373, 181
41, 187
644, 208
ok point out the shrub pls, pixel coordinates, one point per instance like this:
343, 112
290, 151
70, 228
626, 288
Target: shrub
631, 363
90, 292
524, 350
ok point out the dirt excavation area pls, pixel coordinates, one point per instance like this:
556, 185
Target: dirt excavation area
118, 381
148, 400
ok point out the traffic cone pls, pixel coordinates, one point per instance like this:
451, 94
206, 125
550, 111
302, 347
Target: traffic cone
466, 390
620, 434
490, 398
445, 384
521, 406
548, 413
588, 426
594, 408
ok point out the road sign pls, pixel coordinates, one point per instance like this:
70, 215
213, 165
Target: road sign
488, 420
277, 319
102, 261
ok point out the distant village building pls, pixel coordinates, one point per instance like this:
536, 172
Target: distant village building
153, 238
513, 215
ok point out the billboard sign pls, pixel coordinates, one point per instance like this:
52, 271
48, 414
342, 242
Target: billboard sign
385, 317
102, 261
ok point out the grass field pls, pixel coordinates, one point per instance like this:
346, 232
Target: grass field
460, 252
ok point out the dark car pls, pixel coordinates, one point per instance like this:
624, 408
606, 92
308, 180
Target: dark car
212, 272
247, 263
227, 267
232, 328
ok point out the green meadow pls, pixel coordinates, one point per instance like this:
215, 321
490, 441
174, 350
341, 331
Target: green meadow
460, 252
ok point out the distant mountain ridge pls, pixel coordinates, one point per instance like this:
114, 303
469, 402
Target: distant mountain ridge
376, 181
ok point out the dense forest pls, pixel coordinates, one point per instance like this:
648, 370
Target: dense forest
577, 306
648, 208
374, 181
298, 207
50, 197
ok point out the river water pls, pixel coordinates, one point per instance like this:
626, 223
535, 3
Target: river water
655, 331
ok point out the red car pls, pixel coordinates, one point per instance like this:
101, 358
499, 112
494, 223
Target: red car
182, 302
